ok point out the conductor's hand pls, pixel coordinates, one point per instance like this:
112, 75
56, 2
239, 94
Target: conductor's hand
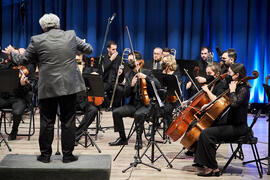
134, 80
112, 58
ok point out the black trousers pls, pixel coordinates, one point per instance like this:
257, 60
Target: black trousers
48, 109
90, 112
140, 114
108, 88
18, 106
206, 147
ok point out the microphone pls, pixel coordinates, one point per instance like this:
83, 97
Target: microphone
113, 16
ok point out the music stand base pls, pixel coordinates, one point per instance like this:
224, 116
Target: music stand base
138, 160
92, 142
153, 144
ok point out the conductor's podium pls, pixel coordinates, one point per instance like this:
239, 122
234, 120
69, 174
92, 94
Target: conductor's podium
26, 167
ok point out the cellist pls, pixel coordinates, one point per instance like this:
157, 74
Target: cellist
136, 107
213, 70
236, 126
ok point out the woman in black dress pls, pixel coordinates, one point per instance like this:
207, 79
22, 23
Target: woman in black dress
236, 123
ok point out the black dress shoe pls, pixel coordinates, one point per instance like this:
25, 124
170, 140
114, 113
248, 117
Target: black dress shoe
211, 173
69, 159
118, 142
197, 165
44, 159
13, 135
189, 153
150, 130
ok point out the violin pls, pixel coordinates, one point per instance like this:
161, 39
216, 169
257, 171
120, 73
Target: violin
23, 71
143, 82
97, 101
144, 93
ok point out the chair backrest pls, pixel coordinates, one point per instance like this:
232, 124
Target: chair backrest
256, 117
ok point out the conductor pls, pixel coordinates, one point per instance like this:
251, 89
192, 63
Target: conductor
60, 80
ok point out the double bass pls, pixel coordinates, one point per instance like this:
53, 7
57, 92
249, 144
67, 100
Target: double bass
215, 110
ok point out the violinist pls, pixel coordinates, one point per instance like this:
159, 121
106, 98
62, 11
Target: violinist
169, 66
89, 109
236, 126
136, 107
21, 98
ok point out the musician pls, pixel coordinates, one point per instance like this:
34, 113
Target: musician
59, 80
155, 63
166, 51
213, 92
201, 76
135, 108
90, 112
110, 61
236, 126
228, 57
21, 98
169, 66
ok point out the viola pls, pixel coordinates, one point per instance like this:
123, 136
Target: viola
215, 110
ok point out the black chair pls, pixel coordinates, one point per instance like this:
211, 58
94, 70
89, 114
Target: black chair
86, 134
31, 129
248, 139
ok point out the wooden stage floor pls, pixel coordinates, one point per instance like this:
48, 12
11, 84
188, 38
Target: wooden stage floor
181, 167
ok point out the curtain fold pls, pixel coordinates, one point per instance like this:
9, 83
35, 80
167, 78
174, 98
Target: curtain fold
185, 25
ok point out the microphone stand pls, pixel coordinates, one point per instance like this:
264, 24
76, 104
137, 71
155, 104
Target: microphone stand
110, 19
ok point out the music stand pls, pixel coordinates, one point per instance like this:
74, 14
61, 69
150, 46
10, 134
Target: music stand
10, 80
156, 106
94, 87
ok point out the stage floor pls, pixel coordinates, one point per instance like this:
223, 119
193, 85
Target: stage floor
181, 167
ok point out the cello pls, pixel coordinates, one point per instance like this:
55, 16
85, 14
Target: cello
215, 110
180, 125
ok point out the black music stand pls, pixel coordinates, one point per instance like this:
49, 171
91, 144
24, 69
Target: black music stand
94, 87
10, 80
151, 143
157, 106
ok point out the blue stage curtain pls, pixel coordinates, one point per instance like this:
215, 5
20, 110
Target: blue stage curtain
185, 25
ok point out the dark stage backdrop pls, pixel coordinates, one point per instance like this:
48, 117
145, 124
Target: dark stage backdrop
184, 25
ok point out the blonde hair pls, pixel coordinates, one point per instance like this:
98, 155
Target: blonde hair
215, 67
171, 62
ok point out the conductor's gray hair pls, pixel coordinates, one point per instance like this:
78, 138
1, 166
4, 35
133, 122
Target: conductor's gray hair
49, 21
